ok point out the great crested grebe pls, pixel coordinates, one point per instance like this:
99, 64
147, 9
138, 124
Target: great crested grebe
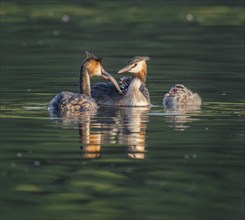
71, 102
134, 90
179, 97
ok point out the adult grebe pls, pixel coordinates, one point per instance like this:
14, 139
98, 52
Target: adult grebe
134, 89
71, 102
179, 97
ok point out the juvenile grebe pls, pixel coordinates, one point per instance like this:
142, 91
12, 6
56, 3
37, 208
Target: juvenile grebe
181, 98
71, 102
134, 89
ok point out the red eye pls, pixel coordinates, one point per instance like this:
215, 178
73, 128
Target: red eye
173, 91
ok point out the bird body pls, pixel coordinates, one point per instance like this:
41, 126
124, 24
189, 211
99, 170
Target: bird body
134, 97
134, 92
179, 97
72, 102
69, 101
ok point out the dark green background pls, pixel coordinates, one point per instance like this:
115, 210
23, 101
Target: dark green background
193, 166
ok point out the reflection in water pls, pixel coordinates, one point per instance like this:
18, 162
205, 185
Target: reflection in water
124, 126
90, 140
134, 131
178, 117
179, 101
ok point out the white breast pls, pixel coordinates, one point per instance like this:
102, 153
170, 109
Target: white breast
134, 97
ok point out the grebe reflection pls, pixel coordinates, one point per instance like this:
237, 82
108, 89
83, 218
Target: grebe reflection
179, 103
125, 127
110, 131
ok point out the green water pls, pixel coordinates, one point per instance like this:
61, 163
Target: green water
124, 163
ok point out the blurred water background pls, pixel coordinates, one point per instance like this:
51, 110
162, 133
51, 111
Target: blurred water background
124, 163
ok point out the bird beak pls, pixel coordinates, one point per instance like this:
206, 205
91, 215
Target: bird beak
125, 69
108, 76
105, 75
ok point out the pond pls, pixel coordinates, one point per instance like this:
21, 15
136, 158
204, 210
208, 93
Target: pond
122, 163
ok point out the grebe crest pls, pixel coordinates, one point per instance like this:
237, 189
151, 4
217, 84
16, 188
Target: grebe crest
180, 97
136, 94
133, 90
137, 67
71, 102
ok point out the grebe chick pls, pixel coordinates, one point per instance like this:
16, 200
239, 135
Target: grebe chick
179, 97
71, 102
134, 89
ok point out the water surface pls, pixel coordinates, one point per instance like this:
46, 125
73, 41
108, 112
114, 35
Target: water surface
122, 163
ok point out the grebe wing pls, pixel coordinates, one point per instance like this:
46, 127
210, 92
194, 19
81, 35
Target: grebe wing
105, 93
145, 92
125, 82
69, 101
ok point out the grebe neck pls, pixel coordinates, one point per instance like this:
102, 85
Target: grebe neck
134, 96
84, 82
134, 85
142, 74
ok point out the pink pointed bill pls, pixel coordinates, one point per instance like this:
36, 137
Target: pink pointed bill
125, 69
108, 76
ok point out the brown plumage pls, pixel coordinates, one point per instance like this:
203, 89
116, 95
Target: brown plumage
66, 102
134, 89
181, 98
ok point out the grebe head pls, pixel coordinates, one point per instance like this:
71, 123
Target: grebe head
94, 66
137, 66
178, 92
